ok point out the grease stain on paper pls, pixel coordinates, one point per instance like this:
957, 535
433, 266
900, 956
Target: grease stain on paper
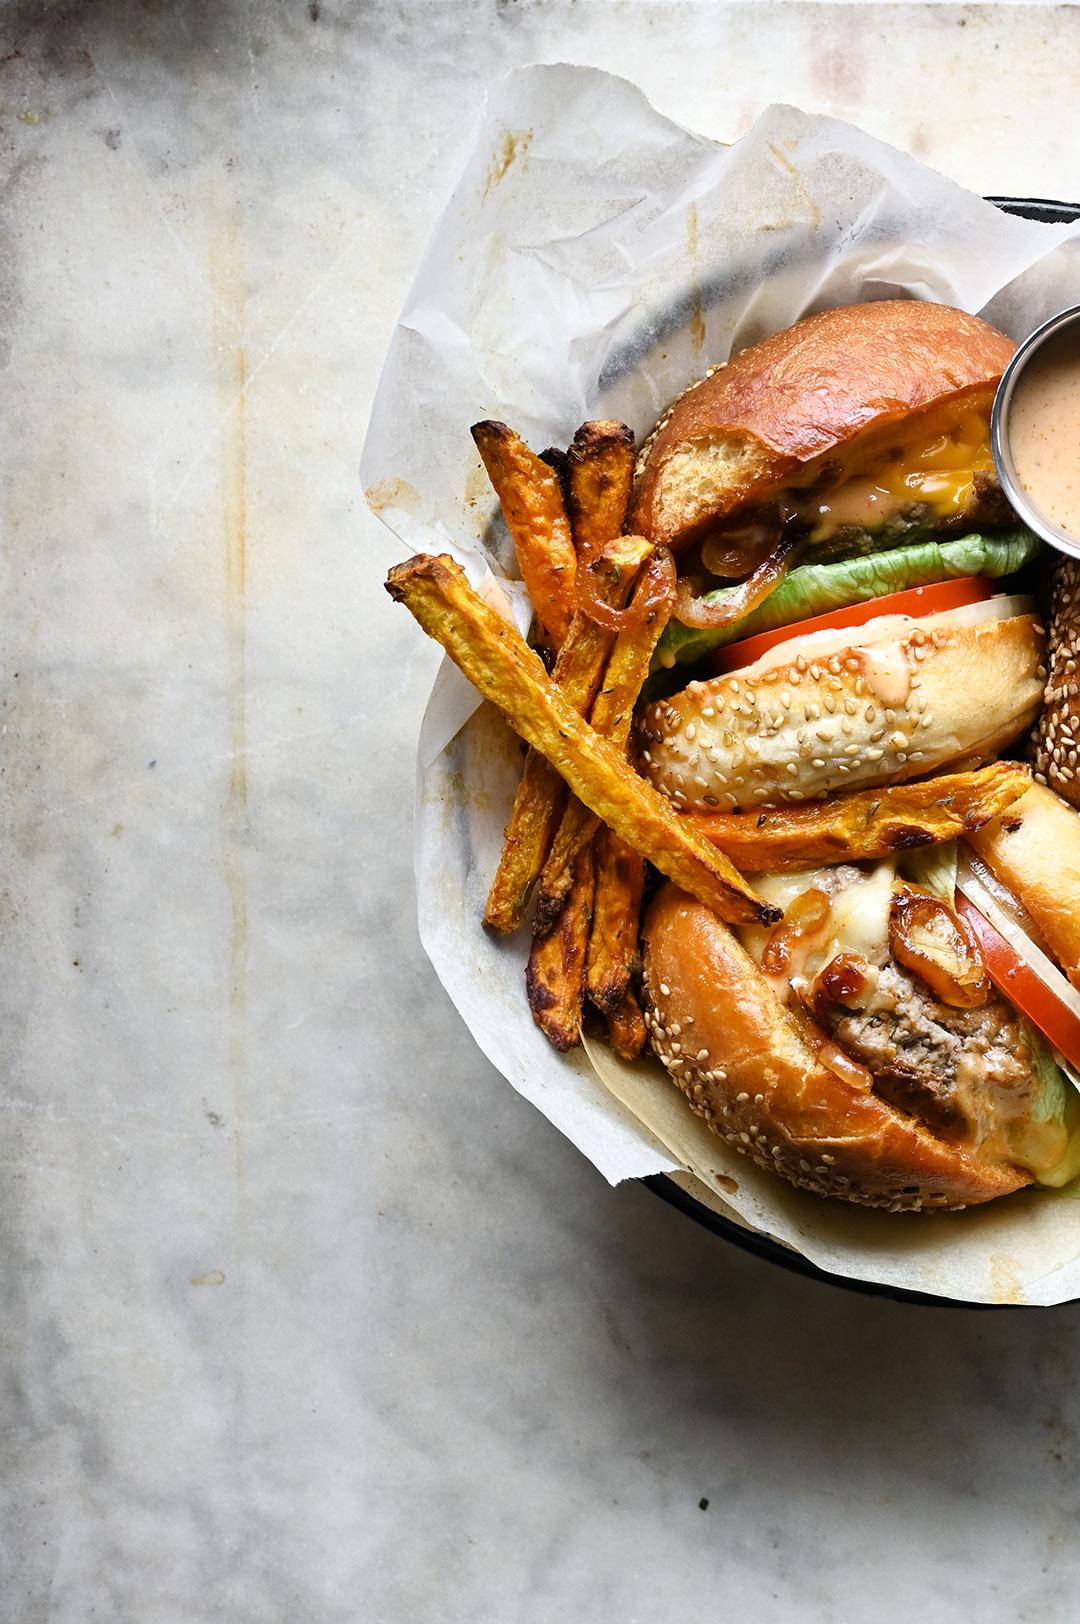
812, 211
510, 150
1005, 1286
693, 254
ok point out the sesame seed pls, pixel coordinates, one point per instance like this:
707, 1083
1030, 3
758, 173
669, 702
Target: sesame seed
665, 991
742, 1098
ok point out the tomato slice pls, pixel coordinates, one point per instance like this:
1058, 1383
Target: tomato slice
1022, 985
916, 600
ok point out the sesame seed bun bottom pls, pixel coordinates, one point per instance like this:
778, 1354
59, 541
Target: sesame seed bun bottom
727, 1041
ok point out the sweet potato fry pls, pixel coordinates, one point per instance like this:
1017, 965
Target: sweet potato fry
496, 659
601, 471
626, 1028
611, 715
575, 829
555, 975
875, 823
530, 496
541, 795
613, 940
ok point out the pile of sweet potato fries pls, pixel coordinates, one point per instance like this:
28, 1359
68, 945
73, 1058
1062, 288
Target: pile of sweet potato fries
584, 822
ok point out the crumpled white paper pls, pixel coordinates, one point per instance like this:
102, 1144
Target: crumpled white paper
594, 259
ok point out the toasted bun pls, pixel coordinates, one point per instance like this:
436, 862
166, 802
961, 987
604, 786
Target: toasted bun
874, 713
744, 1066
802, 394
1058, 740
1034, 849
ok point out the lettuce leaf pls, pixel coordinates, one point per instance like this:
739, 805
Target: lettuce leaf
815, 589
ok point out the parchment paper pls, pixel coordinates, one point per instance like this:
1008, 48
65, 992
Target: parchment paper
594, 259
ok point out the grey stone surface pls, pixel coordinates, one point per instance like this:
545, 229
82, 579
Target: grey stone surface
305, 1314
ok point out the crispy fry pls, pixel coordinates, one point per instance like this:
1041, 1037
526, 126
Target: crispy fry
601, 472
536, 818
626, 1028
875, 823
496, 659
611, 715
541, 796
555, 975
530, 496
613, 940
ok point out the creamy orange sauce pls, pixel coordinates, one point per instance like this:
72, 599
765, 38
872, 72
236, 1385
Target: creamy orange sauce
933, 459
1044, 430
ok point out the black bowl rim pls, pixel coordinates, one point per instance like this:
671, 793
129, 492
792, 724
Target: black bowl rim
1052, 212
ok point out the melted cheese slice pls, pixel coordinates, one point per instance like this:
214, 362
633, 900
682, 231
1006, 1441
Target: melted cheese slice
933, 462
858, 919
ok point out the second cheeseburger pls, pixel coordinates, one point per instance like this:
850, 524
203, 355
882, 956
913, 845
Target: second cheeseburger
831, 497
831, 500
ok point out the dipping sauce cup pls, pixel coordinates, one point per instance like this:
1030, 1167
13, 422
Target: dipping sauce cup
1035, 431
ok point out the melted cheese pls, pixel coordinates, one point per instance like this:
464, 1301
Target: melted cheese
935, 463
858, 920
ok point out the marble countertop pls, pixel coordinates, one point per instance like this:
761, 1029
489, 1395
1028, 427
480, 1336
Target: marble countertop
307, 1315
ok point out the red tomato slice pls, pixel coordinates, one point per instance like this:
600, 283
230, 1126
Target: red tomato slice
917, 600
1022, 985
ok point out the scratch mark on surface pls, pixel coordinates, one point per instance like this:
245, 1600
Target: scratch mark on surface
228, 281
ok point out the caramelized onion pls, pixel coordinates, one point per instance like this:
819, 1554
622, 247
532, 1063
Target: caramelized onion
694, 611
804, 919
929, 939
830, 1053
654, 594
735, 552
844, 980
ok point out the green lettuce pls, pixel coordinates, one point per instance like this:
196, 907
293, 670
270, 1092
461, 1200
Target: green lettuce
815, 589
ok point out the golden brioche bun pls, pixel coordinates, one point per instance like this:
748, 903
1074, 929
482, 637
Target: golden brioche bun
871, 713
801, 395
1034, 849
745, 1067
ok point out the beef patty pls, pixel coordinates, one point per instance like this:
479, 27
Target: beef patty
962, 1071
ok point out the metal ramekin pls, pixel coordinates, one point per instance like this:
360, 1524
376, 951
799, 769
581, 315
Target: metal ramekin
999, 435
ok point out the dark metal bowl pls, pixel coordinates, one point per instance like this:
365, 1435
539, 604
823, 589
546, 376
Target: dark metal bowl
1030, 208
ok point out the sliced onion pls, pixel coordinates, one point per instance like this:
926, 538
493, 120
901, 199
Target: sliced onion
829, 1052
654, 594
971, 886
736, 552
939, 947
694, 611
804, 919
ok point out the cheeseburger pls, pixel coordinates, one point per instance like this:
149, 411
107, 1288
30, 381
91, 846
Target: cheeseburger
904, 1037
